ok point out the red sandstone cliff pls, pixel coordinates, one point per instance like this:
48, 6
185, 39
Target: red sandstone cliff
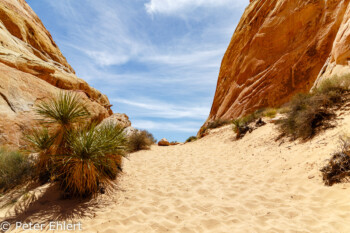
279, 48
33, 68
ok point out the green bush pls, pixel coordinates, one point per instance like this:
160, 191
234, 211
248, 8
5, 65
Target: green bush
15, 168
217, 123
270, 112
306, 114
191, 139
213, 125
334, 84
241, 127
140, 140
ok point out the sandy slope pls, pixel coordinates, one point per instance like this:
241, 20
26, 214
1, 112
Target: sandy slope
220, 185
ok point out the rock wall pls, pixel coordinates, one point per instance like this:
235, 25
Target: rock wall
279, 48
33, 68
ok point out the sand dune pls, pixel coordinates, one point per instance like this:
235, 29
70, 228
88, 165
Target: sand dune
217, 184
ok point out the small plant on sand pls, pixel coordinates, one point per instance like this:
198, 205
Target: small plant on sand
240, 127
217, 123
140, 140
15, 168
338, 167
270, 112
213, 125
191, 139
80, 156
307, 114
335, 84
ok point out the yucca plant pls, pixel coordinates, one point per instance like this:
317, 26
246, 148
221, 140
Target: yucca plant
79, 155
41, 142
63, 113
94, 158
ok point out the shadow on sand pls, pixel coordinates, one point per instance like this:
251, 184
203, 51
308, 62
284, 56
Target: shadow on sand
46, 204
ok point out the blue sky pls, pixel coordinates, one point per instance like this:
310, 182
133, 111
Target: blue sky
156, 60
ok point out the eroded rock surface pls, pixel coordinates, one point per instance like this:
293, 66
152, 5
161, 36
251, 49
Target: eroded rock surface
32, 68
279, 48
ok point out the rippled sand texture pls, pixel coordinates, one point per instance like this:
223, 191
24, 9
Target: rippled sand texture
217, 184
220, 185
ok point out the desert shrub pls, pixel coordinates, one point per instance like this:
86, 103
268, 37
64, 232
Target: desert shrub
213, 125
306, 114
252, 117
240, 127
191, 139
334, 84
80, 156
217, 123
338, 166
140, 140
15, 168
237, 124
249, 118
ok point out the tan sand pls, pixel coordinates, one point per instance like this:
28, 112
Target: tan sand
217, 184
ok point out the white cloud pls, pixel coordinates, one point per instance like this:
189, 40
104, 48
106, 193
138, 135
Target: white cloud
209, 58
161, 71
104, 58
159, 109
186, 127
175, 6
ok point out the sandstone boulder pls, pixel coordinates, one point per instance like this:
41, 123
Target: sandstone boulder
119, 119
129, 131
163, 142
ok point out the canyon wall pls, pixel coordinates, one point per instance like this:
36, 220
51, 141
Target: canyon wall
280, 48
32, 68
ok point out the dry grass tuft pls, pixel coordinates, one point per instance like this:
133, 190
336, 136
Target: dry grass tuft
338, 167
191, 139
213, 125
140, 140
307, 114
15, 168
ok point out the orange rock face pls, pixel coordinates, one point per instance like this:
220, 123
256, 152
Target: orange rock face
32, 68
279, 48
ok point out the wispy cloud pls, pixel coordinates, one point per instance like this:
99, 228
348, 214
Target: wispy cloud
158, 62
159, 109
176, 6
186, 127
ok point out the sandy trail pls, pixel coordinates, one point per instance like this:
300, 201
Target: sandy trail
220, 185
